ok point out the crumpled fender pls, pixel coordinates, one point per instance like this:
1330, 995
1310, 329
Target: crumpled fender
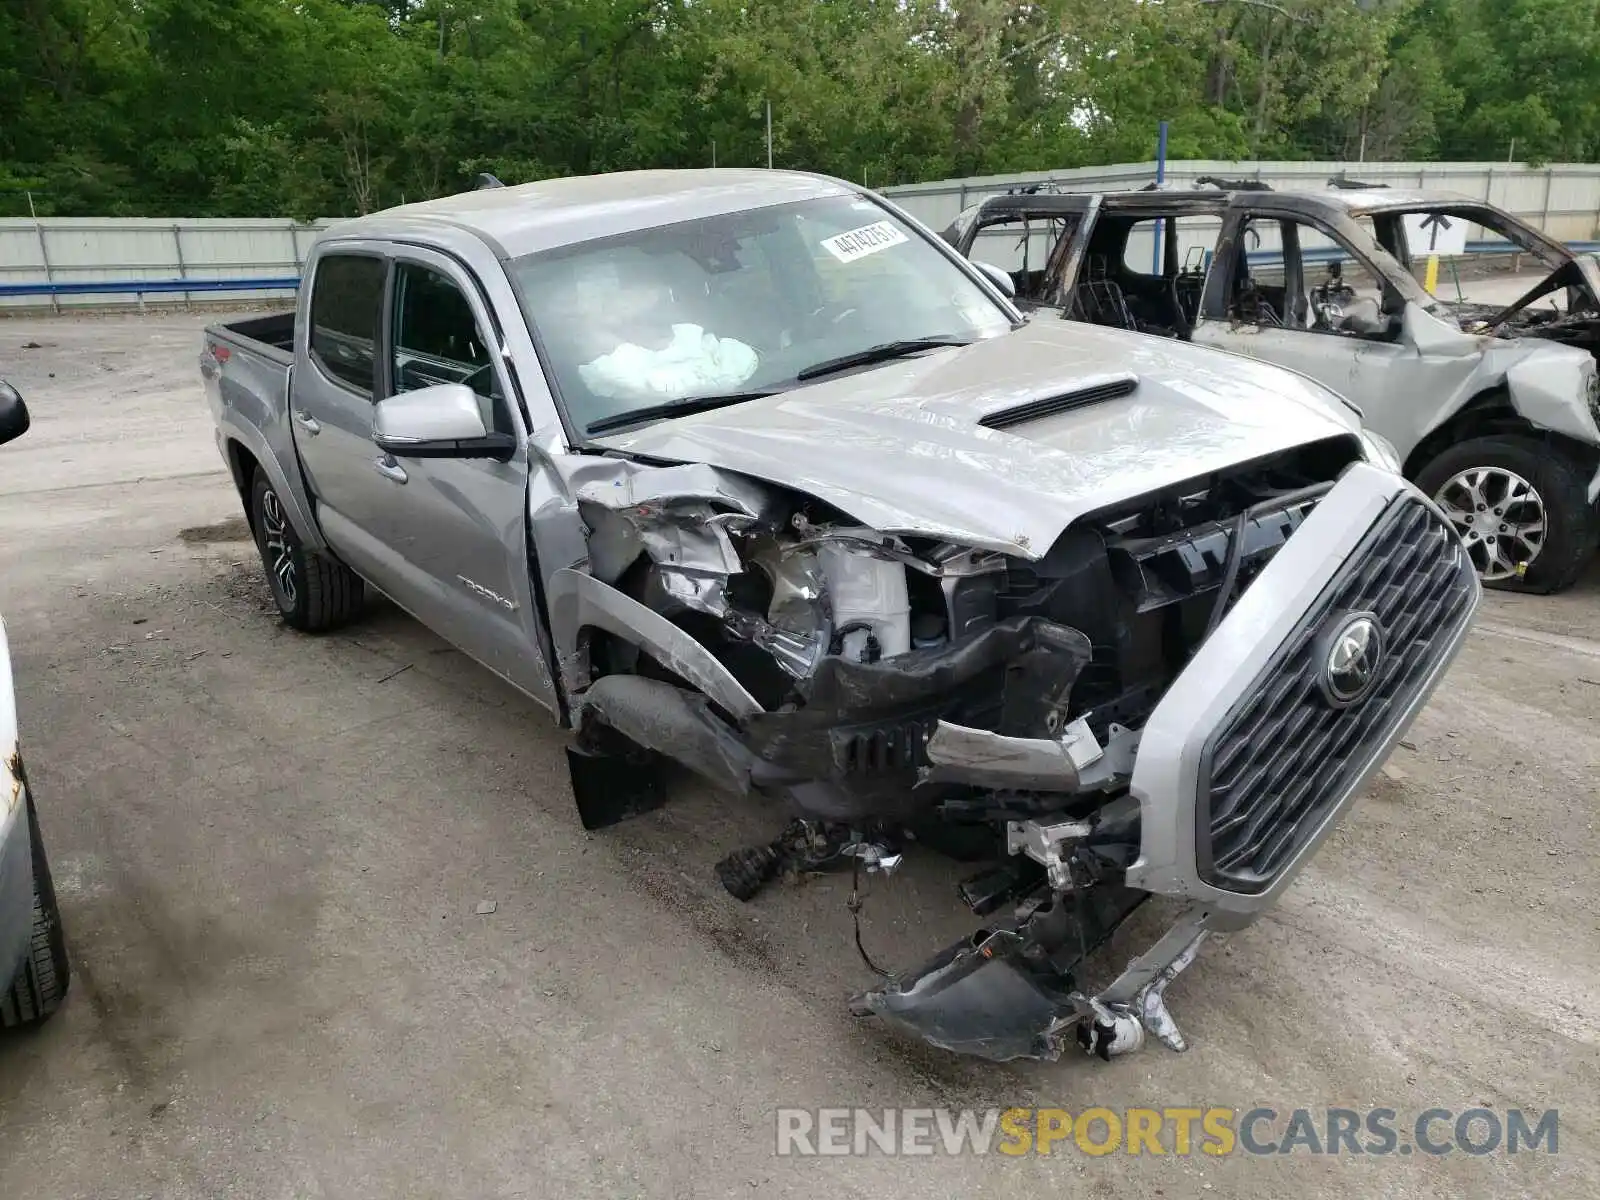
1553, 391
1548, 383
577, 600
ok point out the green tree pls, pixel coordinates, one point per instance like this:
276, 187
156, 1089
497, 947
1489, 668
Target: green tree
322, 107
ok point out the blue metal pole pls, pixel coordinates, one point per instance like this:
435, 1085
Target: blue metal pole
1161, 175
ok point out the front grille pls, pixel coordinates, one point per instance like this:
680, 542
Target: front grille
1285, 756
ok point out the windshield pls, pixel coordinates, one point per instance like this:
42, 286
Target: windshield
742, 303
1455, 227
1474, 239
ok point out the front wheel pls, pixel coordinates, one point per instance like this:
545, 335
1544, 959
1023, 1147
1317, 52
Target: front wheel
1520, 506
313, 592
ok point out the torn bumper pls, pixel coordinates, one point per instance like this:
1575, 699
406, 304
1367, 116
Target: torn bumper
864, 729
1004, 994
1071, 762
856, 751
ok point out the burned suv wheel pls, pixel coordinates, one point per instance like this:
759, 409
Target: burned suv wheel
1521, 508
313, 591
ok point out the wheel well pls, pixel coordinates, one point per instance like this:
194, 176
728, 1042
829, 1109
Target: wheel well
242, 466
1490, 414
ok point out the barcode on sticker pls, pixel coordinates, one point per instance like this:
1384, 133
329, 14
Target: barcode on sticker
858, 243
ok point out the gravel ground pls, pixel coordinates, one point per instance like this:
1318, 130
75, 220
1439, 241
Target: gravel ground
271, 851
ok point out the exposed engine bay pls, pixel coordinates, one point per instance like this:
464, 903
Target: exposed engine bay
1576, 323
891, 688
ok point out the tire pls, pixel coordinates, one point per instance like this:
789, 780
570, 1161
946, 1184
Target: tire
41, 984
1545, 489
313, 592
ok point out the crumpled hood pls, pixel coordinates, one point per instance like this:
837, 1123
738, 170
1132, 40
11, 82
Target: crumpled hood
900, 448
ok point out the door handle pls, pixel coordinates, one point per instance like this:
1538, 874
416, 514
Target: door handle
307, 422
390, 469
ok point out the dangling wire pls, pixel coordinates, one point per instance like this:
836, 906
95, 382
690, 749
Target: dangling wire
854, 905
1230, 573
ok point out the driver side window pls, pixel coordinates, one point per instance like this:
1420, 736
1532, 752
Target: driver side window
1257, 292
1339, 293
437, 340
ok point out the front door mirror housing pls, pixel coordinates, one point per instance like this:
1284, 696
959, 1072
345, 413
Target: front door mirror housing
1000, 278
443, 421
13, 413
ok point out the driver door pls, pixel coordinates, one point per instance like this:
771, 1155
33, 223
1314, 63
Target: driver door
444, 537
1289, 294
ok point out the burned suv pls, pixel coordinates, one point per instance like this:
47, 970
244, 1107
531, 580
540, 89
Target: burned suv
747, 471
1492, 409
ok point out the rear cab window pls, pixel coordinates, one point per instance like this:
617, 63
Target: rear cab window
346, 311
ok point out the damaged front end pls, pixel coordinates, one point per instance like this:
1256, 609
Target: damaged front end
1137, 711
1576, 322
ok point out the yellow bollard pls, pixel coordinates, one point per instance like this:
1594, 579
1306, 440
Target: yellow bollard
1430, 280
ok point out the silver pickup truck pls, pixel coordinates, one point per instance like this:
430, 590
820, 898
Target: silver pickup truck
750, 471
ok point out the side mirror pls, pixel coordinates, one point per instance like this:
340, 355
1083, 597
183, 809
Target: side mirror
443, 421
13, 413
1001, 279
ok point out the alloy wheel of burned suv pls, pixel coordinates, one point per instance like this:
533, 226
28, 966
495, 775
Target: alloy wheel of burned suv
1521, 508
1499, 515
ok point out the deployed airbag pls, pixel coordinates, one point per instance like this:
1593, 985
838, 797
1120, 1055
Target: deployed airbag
693, 363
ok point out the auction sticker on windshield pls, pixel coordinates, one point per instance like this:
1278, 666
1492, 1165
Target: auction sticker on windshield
858, 243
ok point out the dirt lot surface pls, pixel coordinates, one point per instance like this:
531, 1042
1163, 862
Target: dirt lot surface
271, 851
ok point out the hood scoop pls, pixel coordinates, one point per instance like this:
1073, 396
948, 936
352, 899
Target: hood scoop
1112, 388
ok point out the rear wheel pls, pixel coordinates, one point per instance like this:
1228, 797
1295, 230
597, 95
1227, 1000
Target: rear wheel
313, 592
41, 981
1520, 506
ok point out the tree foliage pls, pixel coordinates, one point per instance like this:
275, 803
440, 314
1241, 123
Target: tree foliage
319, 107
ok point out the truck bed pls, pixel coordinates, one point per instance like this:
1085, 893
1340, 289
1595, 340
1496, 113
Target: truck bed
271, 336
246, 365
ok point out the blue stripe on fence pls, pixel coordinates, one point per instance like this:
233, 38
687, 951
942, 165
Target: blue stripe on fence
91, 287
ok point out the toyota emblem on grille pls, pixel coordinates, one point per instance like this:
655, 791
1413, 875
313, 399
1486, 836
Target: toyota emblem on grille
1351, 655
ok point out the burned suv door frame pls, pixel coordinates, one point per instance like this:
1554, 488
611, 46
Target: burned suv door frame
1061, 262
1102, 299
1294, 329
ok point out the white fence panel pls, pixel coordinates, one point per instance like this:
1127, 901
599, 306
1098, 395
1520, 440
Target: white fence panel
150, 249
1562, 199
